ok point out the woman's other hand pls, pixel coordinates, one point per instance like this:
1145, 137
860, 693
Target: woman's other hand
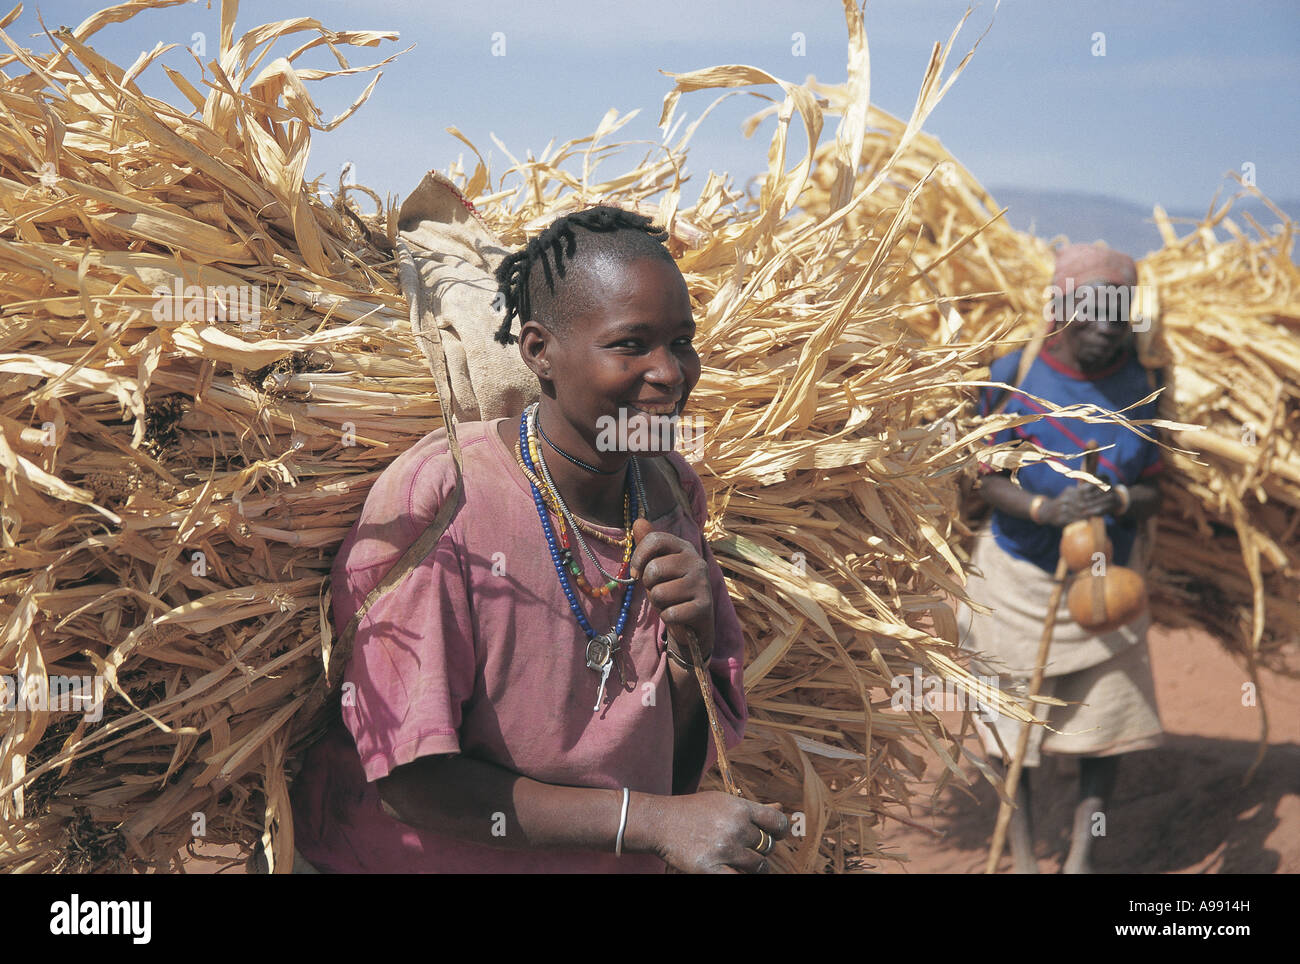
713, 832
676, 578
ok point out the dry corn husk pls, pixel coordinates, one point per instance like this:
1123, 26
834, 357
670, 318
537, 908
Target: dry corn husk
174, 486
1231, 319
133, 444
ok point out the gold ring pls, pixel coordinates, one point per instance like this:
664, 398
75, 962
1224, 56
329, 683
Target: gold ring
765, 842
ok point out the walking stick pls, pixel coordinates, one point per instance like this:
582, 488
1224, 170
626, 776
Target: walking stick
1013, 775
1040, 664
686, 641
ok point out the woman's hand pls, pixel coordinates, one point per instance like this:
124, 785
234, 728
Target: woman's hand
676, 578
453, 795
714, 833
1078, 502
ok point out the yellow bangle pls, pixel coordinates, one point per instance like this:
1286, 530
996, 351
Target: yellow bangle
1035, 506
1124, 502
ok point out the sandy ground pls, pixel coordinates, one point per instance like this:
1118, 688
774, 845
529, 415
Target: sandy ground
1180, 808
1177, 809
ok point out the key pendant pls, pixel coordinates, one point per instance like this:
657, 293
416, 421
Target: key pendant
600, 657
600, 694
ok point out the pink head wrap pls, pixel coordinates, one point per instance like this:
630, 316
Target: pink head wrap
1081, 264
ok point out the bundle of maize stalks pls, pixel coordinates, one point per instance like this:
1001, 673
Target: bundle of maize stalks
1231, 321
188, 336
206, 367
1219, 317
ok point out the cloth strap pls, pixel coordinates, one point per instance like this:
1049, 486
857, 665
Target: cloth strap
425, 329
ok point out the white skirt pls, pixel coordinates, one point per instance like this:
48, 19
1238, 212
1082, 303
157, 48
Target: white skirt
1105, 678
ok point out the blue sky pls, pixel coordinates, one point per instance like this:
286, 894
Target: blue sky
1186, 91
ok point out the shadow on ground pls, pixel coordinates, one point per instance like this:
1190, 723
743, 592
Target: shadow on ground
1180, 808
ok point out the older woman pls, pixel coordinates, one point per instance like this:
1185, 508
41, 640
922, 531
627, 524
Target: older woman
1105, 679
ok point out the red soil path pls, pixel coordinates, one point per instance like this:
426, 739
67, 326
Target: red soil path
1177, 809
1180, 808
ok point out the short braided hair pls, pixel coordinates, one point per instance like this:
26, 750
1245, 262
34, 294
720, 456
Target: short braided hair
609, 231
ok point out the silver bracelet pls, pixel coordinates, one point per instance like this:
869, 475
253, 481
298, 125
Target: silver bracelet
668, 651
690, 667
622, 825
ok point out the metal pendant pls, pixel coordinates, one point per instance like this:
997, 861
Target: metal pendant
600, 657
600, 650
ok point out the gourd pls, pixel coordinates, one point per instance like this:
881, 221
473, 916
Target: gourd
1082, 540
1103, 597
1103, 601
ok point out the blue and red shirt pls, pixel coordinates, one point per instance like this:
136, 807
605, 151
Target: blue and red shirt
1130, 459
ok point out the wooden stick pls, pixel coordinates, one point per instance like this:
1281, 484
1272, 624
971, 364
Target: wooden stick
1017, 762
706, 690
1036, 681
686, 641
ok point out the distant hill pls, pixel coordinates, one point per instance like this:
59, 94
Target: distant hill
1123, 225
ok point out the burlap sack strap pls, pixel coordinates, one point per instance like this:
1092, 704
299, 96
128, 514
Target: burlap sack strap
1022, 370
403, 567
336, 656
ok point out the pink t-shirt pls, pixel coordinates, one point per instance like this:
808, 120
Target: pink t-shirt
477, 652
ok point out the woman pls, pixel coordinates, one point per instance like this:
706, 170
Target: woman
1105, 678
516, 705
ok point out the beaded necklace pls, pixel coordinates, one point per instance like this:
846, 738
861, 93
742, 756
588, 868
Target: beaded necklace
610, 582
572, 458
601, 648
550, 502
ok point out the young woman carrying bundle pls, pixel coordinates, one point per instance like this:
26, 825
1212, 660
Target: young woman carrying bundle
515, 705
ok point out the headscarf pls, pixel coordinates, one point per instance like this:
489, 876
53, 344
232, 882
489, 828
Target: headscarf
1081, 264
1084, 264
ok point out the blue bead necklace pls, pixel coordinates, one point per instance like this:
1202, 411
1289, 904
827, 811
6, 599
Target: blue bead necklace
602, 649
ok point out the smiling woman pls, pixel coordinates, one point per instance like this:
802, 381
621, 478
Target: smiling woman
468, 739
614, 327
